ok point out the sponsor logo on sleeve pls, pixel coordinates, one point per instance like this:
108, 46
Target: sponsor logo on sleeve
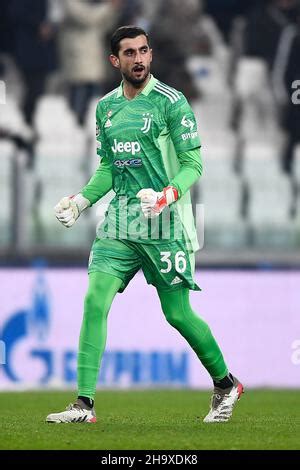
190, 124
189, 135
187, 122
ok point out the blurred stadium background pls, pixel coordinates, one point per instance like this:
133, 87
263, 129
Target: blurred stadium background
239, 65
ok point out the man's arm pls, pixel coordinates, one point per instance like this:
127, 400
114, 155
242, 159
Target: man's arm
99, 184
153, 202
190, 171
183, 131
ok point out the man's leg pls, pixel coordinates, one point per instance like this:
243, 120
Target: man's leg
178, 312
101, 292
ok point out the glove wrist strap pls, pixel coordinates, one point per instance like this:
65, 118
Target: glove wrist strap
81, 202
169, 195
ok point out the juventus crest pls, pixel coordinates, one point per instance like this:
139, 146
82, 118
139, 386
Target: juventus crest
147, 118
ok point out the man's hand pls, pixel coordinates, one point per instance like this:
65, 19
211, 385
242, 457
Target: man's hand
153, 203
69, 209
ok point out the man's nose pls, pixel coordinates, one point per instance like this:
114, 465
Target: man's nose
138, 58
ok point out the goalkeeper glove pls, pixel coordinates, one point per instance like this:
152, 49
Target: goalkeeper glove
69, 209
153, 202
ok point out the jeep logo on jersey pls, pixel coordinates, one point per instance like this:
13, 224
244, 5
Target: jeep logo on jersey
187, 122
133, 162
128, 147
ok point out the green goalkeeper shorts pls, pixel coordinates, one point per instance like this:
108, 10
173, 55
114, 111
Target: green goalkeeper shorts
167, 266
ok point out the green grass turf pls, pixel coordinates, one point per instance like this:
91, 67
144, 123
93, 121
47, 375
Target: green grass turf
263, 419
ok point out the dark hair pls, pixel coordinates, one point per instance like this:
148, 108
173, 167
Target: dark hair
125, 32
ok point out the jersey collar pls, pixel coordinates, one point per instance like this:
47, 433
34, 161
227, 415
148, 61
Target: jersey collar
150, 85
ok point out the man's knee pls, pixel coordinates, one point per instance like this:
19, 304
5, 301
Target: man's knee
96, 302
102, 289
174, 316
90, 301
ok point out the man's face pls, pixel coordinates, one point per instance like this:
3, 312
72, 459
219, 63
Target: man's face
134, 59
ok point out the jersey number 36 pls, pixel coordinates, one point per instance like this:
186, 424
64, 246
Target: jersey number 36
179, 259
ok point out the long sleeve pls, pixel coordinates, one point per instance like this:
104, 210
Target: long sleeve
190, 170
100, 183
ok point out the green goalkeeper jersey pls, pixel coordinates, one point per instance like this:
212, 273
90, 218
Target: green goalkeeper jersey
140, 142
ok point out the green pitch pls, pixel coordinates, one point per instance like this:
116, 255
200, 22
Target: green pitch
152, 420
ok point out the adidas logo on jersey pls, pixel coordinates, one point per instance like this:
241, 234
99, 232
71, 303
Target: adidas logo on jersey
176, 280
108, 123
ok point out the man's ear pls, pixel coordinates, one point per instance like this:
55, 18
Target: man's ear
114, 60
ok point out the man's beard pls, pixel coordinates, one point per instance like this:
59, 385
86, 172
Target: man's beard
137, 81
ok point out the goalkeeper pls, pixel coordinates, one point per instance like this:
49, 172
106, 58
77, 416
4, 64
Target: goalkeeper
150, 156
